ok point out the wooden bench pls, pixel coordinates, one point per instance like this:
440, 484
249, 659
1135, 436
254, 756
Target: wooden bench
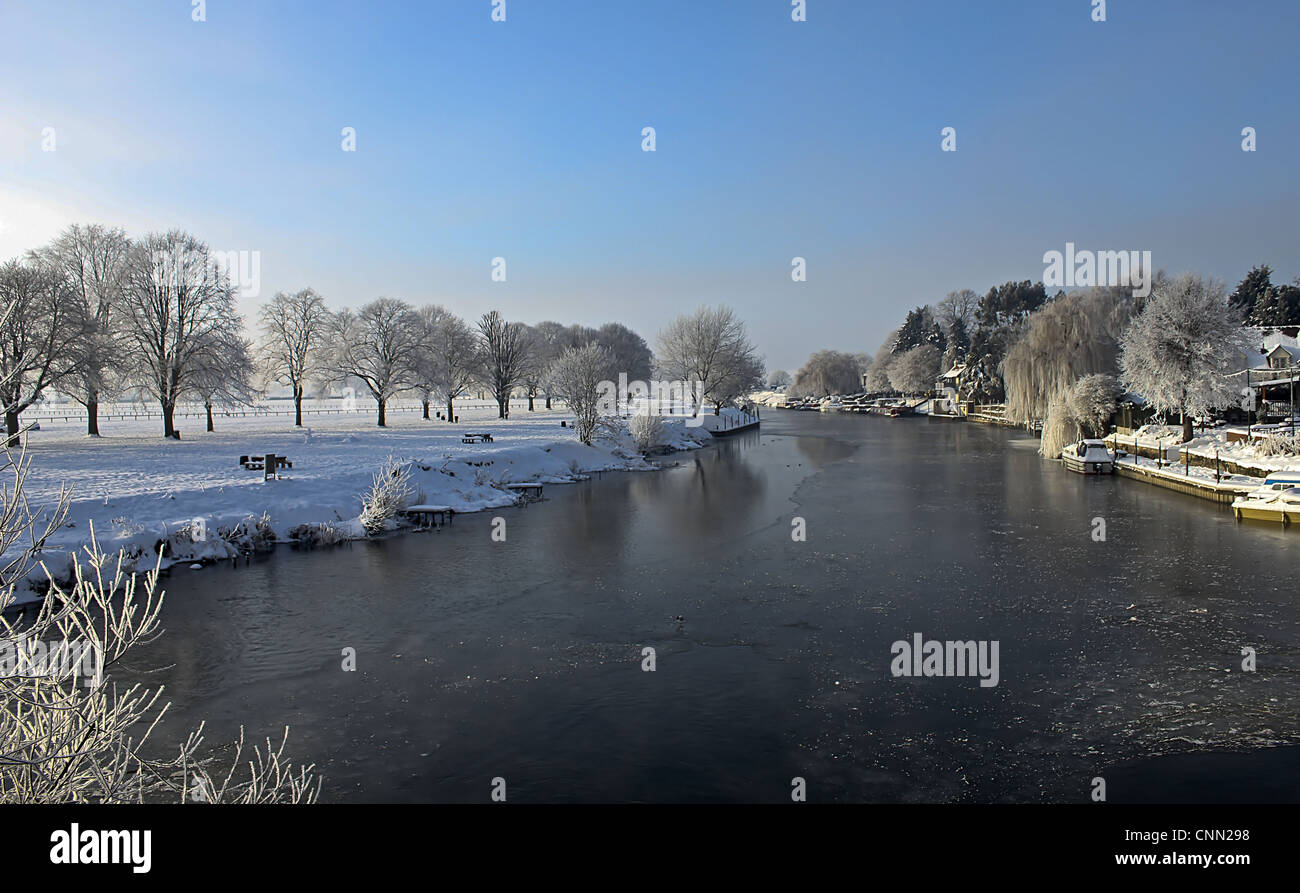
269, 465
430, 515
529, 490
476, 438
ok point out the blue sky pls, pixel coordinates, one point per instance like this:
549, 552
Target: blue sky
775, 139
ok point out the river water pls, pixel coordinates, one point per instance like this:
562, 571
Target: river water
524, 659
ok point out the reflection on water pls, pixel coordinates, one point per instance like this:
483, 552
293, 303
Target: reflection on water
523, 658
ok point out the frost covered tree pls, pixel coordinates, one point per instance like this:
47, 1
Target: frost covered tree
176, 303
504, 354
1081, 410
1180, 351
631, 354
915, 370
92, 259
779, 379
223, 373
827, 372
294, 330
1061, 342
877, 380
999, 318
379, 345
710, 346
40, 329
581, 377
448, 361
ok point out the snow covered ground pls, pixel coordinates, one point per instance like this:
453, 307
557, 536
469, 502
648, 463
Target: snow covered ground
1205, 445
137, 488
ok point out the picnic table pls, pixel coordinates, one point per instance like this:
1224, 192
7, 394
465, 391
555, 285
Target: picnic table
269, 465
430, 515
476, 438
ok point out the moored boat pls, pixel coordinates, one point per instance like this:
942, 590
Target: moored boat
1278, 499
1088, 457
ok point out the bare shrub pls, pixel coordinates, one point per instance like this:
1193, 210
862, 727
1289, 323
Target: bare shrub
68, 732
647, 430
389, 494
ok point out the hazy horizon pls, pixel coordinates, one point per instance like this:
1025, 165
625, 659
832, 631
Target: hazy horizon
775, 139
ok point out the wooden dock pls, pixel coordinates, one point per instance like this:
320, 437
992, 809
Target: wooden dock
1222, 493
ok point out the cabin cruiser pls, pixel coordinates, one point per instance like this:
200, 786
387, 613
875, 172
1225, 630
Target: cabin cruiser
1278, 499
1089, 457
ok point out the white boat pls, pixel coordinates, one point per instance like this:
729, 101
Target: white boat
1278, 499
1089, 457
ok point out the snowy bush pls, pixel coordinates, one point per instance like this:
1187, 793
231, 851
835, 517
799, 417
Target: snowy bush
647, 430
1278, 445
389, 494
323, 534
253, 534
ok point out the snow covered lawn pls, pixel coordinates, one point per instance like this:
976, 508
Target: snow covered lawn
137, 488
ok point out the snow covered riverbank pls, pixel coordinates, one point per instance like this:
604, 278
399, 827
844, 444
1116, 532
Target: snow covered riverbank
138, 489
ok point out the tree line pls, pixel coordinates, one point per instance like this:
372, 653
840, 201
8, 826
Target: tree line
1066, 360
96, 313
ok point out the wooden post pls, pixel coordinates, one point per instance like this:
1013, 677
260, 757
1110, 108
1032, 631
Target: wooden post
268, 470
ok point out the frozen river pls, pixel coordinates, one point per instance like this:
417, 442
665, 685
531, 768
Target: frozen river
524, 659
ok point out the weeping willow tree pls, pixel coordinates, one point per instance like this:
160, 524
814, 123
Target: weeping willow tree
1071, 337
1081, 410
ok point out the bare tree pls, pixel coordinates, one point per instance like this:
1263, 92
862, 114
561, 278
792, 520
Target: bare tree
380, 345
294, 331
712, 347
93, 259
959, 309
40, 328
1179, 352
551, 340
223, 372
504, 354
176, 304
581, 377
448, 361
779, 379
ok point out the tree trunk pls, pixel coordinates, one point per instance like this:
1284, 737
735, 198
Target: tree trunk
297, 406
92, 417
208, 407
11, 428
1187, 427
426, 409
501, 407
168, 413
383, 405
530, 402
450, 409
548, 401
